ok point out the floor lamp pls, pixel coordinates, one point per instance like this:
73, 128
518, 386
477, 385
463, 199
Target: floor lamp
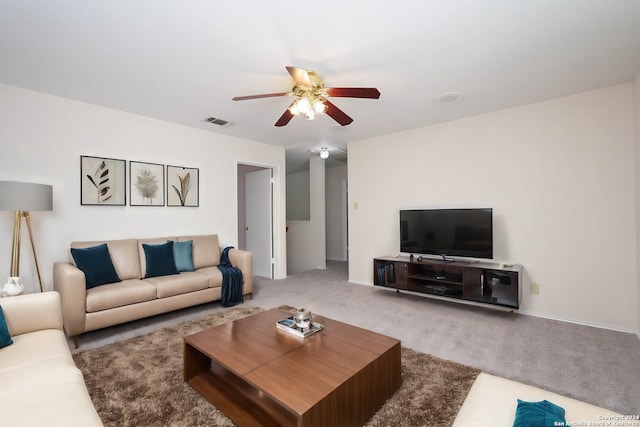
22, 197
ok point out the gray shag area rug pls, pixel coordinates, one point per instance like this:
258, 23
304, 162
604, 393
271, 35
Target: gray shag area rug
139, 382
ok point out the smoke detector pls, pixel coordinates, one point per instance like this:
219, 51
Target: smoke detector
449, 98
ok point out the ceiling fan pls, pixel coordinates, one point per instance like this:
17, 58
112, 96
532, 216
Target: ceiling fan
312, 97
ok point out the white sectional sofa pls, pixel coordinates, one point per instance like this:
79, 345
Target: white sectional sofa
40, 384
492, 402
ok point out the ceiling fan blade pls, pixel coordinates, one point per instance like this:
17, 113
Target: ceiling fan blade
285, 118
354, 92
264, 95
300, 76
337, 114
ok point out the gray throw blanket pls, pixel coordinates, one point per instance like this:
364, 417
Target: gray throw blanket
231, 280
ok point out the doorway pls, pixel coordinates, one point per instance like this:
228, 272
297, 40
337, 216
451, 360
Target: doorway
255, 216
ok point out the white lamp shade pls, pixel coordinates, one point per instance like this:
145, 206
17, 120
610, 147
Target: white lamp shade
294, 108
25, 196
304, 105
319, 107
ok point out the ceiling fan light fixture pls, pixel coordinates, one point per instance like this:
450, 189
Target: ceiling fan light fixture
294, 108
319, 106
312, 97
310, 105
304, 106
324, 153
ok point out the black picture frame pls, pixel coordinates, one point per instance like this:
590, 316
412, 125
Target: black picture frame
102, 181
183, 186
146, 184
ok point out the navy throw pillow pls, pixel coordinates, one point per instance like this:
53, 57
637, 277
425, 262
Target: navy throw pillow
95, 262
5, 336
539, 414
183, 254
160, 259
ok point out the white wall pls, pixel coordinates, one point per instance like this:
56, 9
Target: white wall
335, 211
298, 196
42, 139
306, 244
636, 92
560, 176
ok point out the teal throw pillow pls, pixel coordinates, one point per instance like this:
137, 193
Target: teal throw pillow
539, 414
182, 252
95, 262
5, 337
160, 259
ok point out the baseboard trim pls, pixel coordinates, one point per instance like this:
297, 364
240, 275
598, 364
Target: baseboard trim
578, 322
545, 316
353, 282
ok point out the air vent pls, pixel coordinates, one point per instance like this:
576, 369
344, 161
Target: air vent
217, 121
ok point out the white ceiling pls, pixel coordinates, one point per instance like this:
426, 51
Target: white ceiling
183, 60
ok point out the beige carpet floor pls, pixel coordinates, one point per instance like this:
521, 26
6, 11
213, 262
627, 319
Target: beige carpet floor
138, 382
596, 365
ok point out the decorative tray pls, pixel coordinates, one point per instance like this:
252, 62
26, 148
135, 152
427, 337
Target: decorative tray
289, 325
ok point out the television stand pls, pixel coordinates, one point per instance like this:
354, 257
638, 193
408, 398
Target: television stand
478, 283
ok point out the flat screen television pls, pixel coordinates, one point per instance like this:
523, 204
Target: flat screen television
447, 232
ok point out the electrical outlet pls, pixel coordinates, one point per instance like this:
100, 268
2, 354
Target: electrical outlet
535, 289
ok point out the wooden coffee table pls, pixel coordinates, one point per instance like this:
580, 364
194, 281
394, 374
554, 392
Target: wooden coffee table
259, 375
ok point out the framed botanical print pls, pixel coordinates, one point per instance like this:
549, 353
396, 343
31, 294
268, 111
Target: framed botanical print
182, 186
102, 181
146, 184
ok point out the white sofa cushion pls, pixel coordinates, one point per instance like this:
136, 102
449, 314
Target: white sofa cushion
31, 349
177, 284
119, 294
206, 250
492, 402
213, 275
61, 404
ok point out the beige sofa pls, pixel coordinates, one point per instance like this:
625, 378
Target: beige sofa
492, 402
39, 383
136, 297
